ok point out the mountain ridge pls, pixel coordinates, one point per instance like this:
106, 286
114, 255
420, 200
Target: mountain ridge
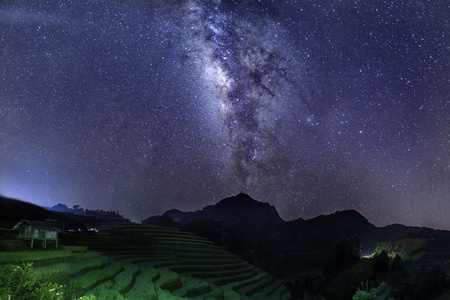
237, 204
240, 222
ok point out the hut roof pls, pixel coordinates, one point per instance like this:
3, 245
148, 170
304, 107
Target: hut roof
37, 224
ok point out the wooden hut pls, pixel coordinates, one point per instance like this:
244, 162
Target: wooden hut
37, 230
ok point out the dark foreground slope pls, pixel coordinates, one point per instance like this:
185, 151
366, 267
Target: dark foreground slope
13, 210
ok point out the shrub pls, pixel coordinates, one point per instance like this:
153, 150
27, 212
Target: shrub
23, 283
363, 293
391, 250
381, 263
87, 297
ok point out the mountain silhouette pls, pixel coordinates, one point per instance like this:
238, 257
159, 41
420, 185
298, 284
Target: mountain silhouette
12, 211
255, 231
240, 212
250, 216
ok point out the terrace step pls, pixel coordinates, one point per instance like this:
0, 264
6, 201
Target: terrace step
192, 250
215, 255
168, 280
231, 281
276, 291
86, 255
257, 286
161, 264
113, 288
212, 261
135, 261
35, 256
144, 287
271, 289
176, 240
238, 285
184, 268
91, 279
192, 288
144, 257
215, 274
60, 271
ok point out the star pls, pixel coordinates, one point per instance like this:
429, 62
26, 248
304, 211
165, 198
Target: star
142, 107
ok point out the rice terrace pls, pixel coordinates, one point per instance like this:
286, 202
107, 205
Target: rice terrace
238, 248
168, 264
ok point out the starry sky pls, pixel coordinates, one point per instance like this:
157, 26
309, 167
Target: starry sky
141, 106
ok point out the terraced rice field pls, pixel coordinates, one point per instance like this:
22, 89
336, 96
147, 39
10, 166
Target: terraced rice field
135, 261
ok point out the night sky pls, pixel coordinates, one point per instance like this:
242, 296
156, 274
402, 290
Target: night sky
141, 106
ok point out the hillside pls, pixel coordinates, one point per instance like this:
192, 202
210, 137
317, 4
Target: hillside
236, 249
255, 231
314, 256
125, 260
12, 211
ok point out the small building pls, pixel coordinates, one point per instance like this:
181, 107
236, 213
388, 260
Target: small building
37, 230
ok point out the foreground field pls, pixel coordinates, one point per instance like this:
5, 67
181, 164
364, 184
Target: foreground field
134, 261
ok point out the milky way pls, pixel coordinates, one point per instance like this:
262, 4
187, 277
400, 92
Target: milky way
312, 106
245, 74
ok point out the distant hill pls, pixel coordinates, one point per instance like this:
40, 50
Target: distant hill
255, 231
251, 217
80, 212
323, 230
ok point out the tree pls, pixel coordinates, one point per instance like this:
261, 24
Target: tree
344, 252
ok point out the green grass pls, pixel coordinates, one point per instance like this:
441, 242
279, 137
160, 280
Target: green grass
215, 274
71, 268
168, 280
144, 288
13, 244
246, 282
88, 280
115, 287
23, 256
192, 287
